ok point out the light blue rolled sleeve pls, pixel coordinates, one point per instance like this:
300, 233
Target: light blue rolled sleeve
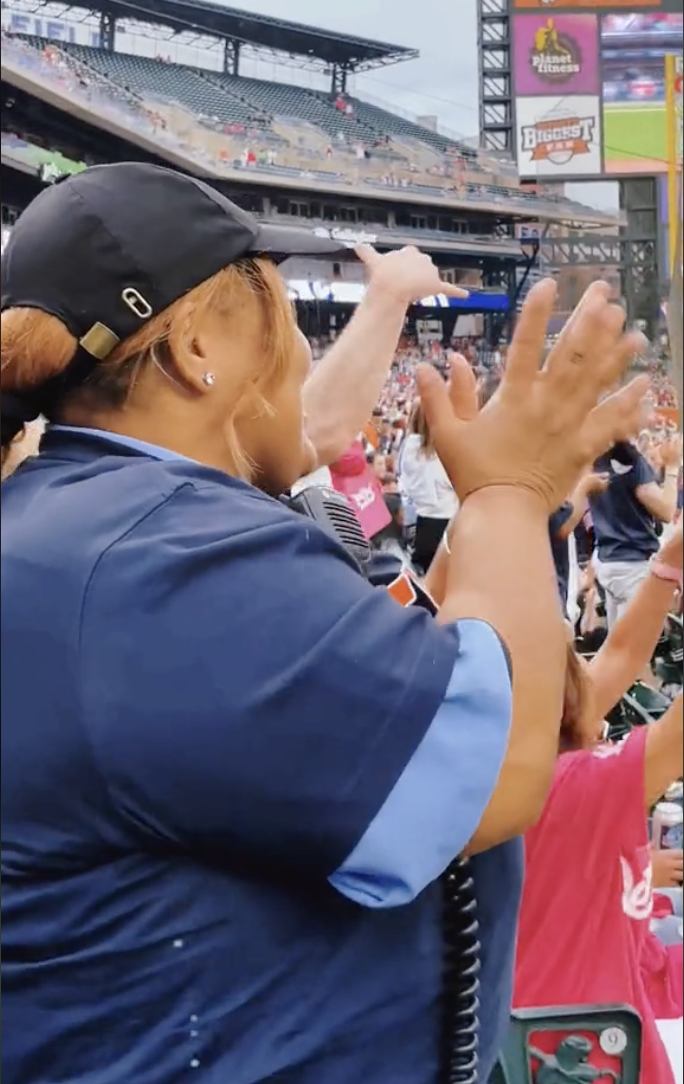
438, 802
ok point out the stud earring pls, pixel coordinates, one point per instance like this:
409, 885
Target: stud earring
209, 380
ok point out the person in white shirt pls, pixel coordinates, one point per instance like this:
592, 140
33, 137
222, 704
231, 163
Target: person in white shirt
425, 485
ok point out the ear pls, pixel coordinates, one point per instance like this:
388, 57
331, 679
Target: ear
191, 362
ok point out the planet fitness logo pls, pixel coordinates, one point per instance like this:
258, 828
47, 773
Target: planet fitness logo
559, 141
555, 57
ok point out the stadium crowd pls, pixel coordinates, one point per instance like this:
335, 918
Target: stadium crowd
393, 436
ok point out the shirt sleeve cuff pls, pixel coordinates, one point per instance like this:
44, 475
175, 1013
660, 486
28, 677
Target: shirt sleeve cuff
436, 805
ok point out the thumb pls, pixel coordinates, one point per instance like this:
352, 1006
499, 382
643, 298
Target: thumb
436, 403
462, 388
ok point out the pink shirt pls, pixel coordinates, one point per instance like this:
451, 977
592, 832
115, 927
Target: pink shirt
588, 898
352, 476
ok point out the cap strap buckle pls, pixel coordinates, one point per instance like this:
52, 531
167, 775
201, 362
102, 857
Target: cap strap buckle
99, 341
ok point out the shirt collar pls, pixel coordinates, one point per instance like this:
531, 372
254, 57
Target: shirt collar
154, 451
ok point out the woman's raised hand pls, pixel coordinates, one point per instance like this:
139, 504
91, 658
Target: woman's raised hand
544, 426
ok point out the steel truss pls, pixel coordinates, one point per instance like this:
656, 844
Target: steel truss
497, 129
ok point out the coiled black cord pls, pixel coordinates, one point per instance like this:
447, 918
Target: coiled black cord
461, 987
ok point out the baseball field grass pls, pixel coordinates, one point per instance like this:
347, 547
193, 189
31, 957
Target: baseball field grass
635, 137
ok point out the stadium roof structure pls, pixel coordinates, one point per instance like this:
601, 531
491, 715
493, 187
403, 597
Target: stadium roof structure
346, 51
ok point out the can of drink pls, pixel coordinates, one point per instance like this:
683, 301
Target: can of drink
675, 793
668, 826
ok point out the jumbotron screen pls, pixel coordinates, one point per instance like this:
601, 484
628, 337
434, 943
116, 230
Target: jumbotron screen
589, 86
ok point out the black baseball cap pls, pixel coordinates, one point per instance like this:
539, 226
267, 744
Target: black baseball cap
106, 249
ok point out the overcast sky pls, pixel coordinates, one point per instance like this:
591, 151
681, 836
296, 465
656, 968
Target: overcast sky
444, 81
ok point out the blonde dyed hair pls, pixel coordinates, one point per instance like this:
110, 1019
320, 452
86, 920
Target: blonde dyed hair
37, 347
418, 425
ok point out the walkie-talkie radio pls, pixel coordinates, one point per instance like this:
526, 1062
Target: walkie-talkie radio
461, 982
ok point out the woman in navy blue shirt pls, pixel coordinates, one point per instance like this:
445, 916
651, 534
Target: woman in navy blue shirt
233, 774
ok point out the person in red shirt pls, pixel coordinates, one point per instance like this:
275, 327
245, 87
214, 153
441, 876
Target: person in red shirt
584, 935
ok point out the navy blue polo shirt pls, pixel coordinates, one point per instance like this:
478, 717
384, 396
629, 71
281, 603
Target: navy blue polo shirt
232, 773
624, 529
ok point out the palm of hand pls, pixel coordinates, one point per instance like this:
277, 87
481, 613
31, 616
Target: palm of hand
542, 427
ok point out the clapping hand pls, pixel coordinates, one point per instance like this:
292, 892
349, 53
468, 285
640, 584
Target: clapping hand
671, 453
593, 484
668, 867
544, 426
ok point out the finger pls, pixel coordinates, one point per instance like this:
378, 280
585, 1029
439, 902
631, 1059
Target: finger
596, 291
436, 403
605, 354
616, 418
462, 388
450, 290
527, 347
368, 255
615, 364
587, 341
584, 347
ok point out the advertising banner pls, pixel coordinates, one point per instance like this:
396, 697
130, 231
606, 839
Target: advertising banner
597, 5
559, 137
634, 48
556, 53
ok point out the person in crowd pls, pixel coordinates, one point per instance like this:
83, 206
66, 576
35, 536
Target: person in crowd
218, 861
352, 476
584, 933
391, 537
562, 526
628, 517
426, 486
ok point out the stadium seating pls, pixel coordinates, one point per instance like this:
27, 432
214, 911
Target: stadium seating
171, 82
639, 707
285, 100
305, 128
572, 1044
381, 120
669, 654
250, 102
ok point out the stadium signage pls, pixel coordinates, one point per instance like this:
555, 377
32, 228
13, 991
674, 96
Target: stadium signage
594, 5
559, 141
347, 237
556, 56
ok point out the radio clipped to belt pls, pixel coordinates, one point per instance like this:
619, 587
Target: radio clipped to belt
461, 983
